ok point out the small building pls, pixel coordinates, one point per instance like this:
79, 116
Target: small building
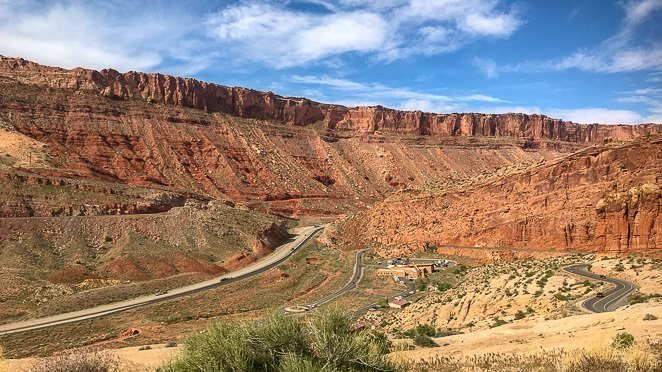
398, 304
412, 271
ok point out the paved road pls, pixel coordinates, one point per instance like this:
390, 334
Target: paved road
613, 298
356, 277
278, 256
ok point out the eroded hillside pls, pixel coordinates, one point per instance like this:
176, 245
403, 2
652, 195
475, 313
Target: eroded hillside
97, 259
277, 154
602, 199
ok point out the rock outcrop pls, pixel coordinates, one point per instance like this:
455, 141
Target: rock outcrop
248, 103
602, 199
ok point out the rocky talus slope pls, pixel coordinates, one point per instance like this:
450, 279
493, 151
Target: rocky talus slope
601, 199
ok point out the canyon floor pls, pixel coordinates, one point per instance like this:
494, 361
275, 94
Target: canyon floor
552, 321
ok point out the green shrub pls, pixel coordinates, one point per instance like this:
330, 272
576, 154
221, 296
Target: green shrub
443, 286
498, 323
520, 315
622, 340
421, 329
426, 330
323, 342
424, 341
448, 332
637, 298
562, 297
460, 270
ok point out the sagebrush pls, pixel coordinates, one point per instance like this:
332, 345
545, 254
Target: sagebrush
325, 342
78, 361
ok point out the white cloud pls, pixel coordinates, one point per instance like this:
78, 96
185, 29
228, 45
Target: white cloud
356, 94
638, 10
596, 115
654, 77
283, 37
475, 17
584, 115
287, 38
326, 80
623, 52
613, 60
500, 25
480, 98
428, 106
96, 35
370, 94
649, 97
486, 66
646, 91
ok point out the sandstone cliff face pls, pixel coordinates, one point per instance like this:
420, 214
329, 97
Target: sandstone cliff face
604, 199
248, 103
275, 168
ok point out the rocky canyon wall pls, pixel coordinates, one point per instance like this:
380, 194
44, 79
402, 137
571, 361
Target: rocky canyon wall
604, 199
248, 103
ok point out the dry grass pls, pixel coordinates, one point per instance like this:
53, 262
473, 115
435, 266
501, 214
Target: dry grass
596, 358
638, 358
2, 369
77, 360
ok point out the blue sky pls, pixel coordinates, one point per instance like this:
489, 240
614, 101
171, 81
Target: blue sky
581, 60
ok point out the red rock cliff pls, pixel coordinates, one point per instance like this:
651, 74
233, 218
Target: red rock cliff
250, 103
602, 199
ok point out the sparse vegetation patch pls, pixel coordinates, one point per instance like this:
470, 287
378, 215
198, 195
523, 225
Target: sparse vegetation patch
325, 342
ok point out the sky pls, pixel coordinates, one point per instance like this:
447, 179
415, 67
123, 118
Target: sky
589, 61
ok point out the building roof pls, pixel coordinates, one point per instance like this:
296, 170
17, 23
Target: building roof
400, 302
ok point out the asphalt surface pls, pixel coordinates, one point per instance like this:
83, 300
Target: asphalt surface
612, 299
356, 277
279, 255
354, 280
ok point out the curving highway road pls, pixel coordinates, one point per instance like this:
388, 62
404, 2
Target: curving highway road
612, 299
356, 276
279, 255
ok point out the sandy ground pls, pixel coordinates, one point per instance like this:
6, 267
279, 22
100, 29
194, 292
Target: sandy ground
567, 333
22, 150
131, 359
522, 337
